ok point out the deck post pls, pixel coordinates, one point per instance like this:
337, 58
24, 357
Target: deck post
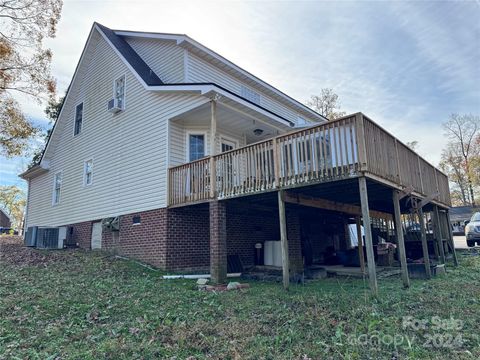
400, 239
361, 258
372, 273
276, 162
218, 242
423, 235
284, 239
450, 236
438, 231
213, 147
362, 148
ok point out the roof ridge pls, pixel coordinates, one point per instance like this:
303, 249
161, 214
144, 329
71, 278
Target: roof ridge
131, 56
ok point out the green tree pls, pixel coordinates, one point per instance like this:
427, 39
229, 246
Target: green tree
326, 104
13, 201
24, 65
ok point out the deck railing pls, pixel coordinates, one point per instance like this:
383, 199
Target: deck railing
331, 151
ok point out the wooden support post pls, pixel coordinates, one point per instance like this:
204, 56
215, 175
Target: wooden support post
450, 236
276, 162
400, 239
362, 148
284, 239
438, 232
423, 234
446, 232
213, 127
372, 274
360, 243
213, 148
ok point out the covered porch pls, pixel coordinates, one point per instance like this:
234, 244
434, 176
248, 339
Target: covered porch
350, 167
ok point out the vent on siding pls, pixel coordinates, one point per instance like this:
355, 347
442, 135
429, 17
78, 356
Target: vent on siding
251, 95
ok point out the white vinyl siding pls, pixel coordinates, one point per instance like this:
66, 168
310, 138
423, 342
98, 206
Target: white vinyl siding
179, 139
164, 57
173, 64
135, 140
201, 71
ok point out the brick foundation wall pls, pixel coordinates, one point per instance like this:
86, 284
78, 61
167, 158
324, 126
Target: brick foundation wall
178, 239
294, 242
81, 234
188, 238
245, 228
145, 241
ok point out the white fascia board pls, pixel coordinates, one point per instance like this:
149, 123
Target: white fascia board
210, 90
175, 37
184, 39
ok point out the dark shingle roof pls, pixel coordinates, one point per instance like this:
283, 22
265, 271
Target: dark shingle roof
135, 61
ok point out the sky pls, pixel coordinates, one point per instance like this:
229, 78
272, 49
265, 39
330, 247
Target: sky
406, 65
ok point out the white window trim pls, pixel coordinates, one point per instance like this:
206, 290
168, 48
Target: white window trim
85, 173
228, 139
124, 89
187, 141
57, 202
75, 118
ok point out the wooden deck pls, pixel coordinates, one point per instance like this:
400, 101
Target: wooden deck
349, 147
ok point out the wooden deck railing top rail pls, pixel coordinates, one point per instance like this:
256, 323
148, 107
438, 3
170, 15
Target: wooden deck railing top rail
339, 149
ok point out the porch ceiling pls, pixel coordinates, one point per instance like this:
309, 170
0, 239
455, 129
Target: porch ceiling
344, 191
233, 119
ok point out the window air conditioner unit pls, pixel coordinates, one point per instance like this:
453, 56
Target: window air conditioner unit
113, 106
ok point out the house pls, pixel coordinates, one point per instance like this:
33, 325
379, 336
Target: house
5, 221
194, 158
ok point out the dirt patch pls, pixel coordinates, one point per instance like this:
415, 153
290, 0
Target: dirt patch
13, 252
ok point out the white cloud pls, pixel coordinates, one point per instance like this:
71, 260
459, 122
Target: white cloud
406, 65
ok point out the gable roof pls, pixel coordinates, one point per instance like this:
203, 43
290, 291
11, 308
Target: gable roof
152, 81
135, 61
5, 213
201, 50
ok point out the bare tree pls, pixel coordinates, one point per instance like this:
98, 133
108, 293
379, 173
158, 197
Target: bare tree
452, 163
412, 144
462, 131
24, 65
326, 104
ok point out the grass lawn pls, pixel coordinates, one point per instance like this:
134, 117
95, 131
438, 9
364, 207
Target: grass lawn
87, 305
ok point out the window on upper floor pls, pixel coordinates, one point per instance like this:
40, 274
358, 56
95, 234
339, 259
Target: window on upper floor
250, 95
196, 146
77, 129
57, 187
119, 92
88, 172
